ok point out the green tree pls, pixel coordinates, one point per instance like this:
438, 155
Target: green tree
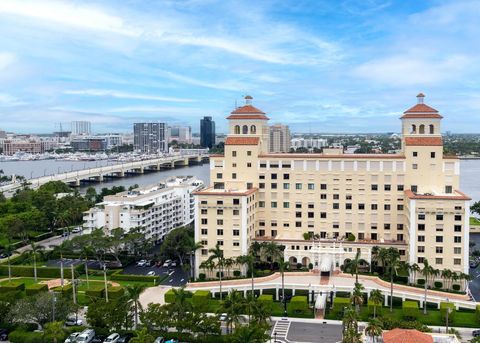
357, 296
353, 266
475, 208
272, 251
181, 309
178, 244
205, 324
283, 265
252, 333
350, 326
156, 317
376, 297
54, 331
142, 337
393, 262
134, 292
427, 272
217, 254
233, 306
374, 329
35, 249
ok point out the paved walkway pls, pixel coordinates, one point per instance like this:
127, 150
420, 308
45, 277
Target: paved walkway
153, 295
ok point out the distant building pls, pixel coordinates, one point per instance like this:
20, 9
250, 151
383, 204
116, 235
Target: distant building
81, 128
207, 132
150, 138
308, 143
181, 134
157, 209
3, 134
89, 144
112, 139
279, 138
31, 146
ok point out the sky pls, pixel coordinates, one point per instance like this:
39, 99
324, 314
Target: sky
318, 66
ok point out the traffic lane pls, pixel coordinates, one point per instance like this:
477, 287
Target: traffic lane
174, 276
314, 332
474, 285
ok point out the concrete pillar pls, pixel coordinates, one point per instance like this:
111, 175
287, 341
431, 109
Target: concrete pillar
438, 305
100, 178
403, 298
122, 173
172, 165
276, 293
261, 291
245, 293
386, 300
310, 295
142, 170
293, 292
421, 304
77, 182
368, 295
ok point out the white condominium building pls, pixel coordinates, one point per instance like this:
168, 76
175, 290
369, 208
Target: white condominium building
156, 208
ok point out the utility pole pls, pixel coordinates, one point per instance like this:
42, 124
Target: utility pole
105, 279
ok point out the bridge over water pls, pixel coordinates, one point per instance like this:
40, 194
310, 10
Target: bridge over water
98, 174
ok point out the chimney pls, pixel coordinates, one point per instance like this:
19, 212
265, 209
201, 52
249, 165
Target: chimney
420, 98
248, 100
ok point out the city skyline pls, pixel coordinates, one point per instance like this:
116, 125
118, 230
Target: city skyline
312, 67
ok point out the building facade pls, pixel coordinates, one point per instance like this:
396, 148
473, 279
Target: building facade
157, 208
309, 143
89, 144
279, 140
150, 138
81, 128
410, 200
207, 132
181, 134
30, 146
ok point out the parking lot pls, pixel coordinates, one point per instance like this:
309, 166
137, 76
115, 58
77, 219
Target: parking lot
176, 275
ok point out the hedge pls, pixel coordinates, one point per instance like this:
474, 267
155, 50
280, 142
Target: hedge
438, 284
42, 272
170, 296
95, 292
339, 303
444, 306
12, 286
117, 276
36, 288
267, 300
201, 298
115, 292
371, 306
201, 277
299, 303
410, 309
477, 313
66, 290
19, 336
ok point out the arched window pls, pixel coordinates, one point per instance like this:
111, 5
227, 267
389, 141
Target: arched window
414, 129
253, 129
432, 129
237, 129
245, 129
421, 129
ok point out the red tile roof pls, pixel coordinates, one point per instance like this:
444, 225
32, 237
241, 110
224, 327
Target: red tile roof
406, 336
242, 141
247, 109
421, 111
248, 116
459, 196
248, 112
424, 141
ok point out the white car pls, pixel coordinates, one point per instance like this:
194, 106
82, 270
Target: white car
166, 264
173, 264
223, 317
151, 273
77, 229
86, 336
113, 338
141, 263
72, 337
71, 321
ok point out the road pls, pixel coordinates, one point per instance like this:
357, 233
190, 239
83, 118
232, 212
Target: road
305, 330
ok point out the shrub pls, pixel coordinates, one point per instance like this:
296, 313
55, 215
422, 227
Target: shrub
477, 313
95, 291
438, 284
421, 282
351, 237
310, 266
339, 303
299, 303
66, 290
202, 276
19, 336
200, 299
36, 288
115, 292
267, 300
456, 287
237, 273
371, 305
444, 306
299, 265
410, 309
169, 296
12, 286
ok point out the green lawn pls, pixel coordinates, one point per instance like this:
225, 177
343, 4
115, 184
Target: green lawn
474, 221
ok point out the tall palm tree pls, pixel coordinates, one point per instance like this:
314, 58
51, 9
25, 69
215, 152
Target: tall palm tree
415, 268
466, 278
392, 262
134, 293
376, 297
35, 249
54, 331
381, 257
283, 265
179, 307
248, 260
229, 263
217, 254
374, 329
352, 266
272, 251
10, 251
350, 320
455, 277
233, 306
193, 247
259, 311
357, 296
86, 251
427, 271
446, 275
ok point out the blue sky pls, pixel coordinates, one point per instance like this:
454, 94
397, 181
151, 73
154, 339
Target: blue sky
319, 66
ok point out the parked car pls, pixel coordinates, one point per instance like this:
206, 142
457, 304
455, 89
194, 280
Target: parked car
71, 321
141, 263
172, 341
223, 317
65, 234
5, 254
173, 264
3, 335
476, 333
86, 336
125, 338
474, 263
99, 339
167, 263
77, 229
72, 337
151, 273
112, 338
159, 340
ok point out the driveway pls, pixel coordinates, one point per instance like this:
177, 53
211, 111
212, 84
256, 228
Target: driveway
177, 277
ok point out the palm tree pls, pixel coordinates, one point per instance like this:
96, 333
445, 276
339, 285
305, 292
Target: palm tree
382, 257
446, 275
248, 260
233, 306
142, 337
54, 331
427, 271
374, 329
217, 254
357, 296
273, 251
455, 277
86, 251
193, 247
34, 252
251, 333
350, 320
415, 269
376, 297
134, 293
179, 307
352, 266
258, 310
10, 251
283, 265
466, 278
393, 262
229, 263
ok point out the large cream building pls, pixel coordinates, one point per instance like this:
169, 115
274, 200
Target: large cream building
409, 200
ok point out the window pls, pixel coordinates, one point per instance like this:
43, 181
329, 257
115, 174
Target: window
204, 202
414, 188
236, 201
386, 226
204, 211
421, 227
439, 216
457, 261
399, 207
204, 252
236, 232
237, 129
374, 187
348, 206
457, 250
420, 259
298, 214
421, 216
220, 243
298, 224
414, 166
234, 154
323, 215
323, 196
457, 228
311, 186
249, 164
261, 185
274, 204
421, 249
219, 175
458, 218
387, 187
336, 196
361, 206
286, 204
373, 236
400, 237
298, 205
439, 250
438, 260
439, 239
399, 187
286, 176
220, 211
261, 204
457, 239
298, 186
244, 129
273, 186
204, 221
386, 207
204, 232
448, 189
399, 227
415, 154
273, 176
236, 244
374, 207
237, 212
323, 186
421, 238
311, 215
286, 186
219, 221
336, 206
220, 232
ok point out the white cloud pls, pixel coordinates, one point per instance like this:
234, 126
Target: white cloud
125, 95
6, 59
158, 109
9, 100
223, 85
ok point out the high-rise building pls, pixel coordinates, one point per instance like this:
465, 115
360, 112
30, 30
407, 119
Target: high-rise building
81, 128
279, 138
181, 134
350, 203
150, 138
207, 132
